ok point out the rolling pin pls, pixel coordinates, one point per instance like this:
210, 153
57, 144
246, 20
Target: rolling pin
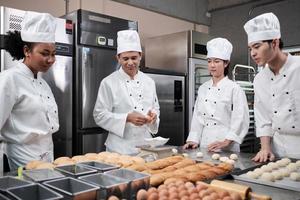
243, 190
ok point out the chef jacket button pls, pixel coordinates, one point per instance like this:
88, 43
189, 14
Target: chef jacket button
215, 123
293, 126
41, 83
290, 110
287, 92
273, 95
212, 115
207, 124
205, 100
204, 114
209, 88
130, 94
284, 75
278, 128
137, 82
54, 111
142, 109
215, 102
275, 111
140, 95
52, 127
219, 89
48, 97
272, 79
127, 81
134, 107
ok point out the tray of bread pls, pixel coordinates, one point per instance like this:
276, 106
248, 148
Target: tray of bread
284, 173
178, 189
181, 168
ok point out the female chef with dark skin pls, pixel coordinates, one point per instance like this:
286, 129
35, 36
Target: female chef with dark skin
28, 111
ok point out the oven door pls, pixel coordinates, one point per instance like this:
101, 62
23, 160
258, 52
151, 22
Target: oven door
198, 74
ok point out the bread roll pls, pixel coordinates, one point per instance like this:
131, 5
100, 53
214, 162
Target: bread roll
33, 164
61, 159
45, 166
80, 158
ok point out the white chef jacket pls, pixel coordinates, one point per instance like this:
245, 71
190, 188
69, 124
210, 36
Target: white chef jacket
28, 116
220, 112
277, 107
118, 95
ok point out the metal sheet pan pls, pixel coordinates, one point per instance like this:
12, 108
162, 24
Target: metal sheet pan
40, 175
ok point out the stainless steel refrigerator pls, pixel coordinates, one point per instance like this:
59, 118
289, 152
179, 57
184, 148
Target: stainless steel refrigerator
95, 45
59, 76
170, 89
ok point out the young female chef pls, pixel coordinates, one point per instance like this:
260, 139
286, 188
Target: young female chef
276, 88
221, 116
127, 104
28, 111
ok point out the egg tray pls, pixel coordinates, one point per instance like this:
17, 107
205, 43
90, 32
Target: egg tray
285, 183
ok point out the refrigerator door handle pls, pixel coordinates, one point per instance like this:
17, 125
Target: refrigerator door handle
178, 107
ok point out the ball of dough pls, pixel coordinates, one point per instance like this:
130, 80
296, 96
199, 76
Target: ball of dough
267, 177
252, 174
266, 168
185, 155
233, 156
215, 156
281, 163
259, 171
295, 176
223, 159
277, 175
286, 161
199, 154
273, 165
229, 161
292, 167
285, 172
175, 151
298, 163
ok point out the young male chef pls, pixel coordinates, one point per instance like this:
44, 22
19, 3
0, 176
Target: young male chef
127, 104
277, 90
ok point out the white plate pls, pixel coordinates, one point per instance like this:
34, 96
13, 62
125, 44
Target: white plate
157, 141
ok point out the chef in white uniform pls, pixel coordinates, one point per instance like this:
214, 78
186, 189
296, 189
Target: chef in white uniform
277, 90
28, 111
127, 104
221, 117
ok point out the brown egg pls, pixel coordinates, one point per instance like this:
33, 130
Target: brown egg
162, 187
113, 198
163, 192
172, 190
172, 184
184, 198
207, 198
194, 196
227, 198
202, 193
200, 185
142, 195
179, 182
214, 195
189, 185
153, 196
183, 193
152, 190
181, 187
235, 196
192, 190
173, 195
223, 194
163, 198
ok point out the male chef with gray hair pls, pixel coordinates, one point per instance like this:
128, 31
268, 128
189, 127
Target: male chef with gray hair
127, 104
277, 90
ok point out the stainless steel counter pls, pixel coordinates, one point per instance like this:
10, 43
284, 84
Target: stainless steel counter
244, 162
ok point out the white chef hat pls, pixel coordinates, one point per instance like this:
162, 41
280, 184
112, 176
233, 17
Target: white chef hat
128, 40
263, 27
38, 27
219, 48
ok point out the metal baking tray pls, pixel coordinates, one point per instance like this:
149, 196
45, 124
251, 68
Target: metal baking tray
109, 185
33, 192
2, 197
285, 183
40, 175
136, 180
99, 166
7, 182
73, 189
75, 170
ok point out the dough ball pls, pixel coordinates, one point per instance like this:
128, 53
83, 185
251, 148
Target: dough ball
259, 171
295, 176
215, 156
223, 159
229, 161
286, 161
285, 172
277, 175
267, 177
280, 163
175, 151
233, 156
266, 168
298, 163
199, 154
252, 174
273, 165
292, 167
185, 155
